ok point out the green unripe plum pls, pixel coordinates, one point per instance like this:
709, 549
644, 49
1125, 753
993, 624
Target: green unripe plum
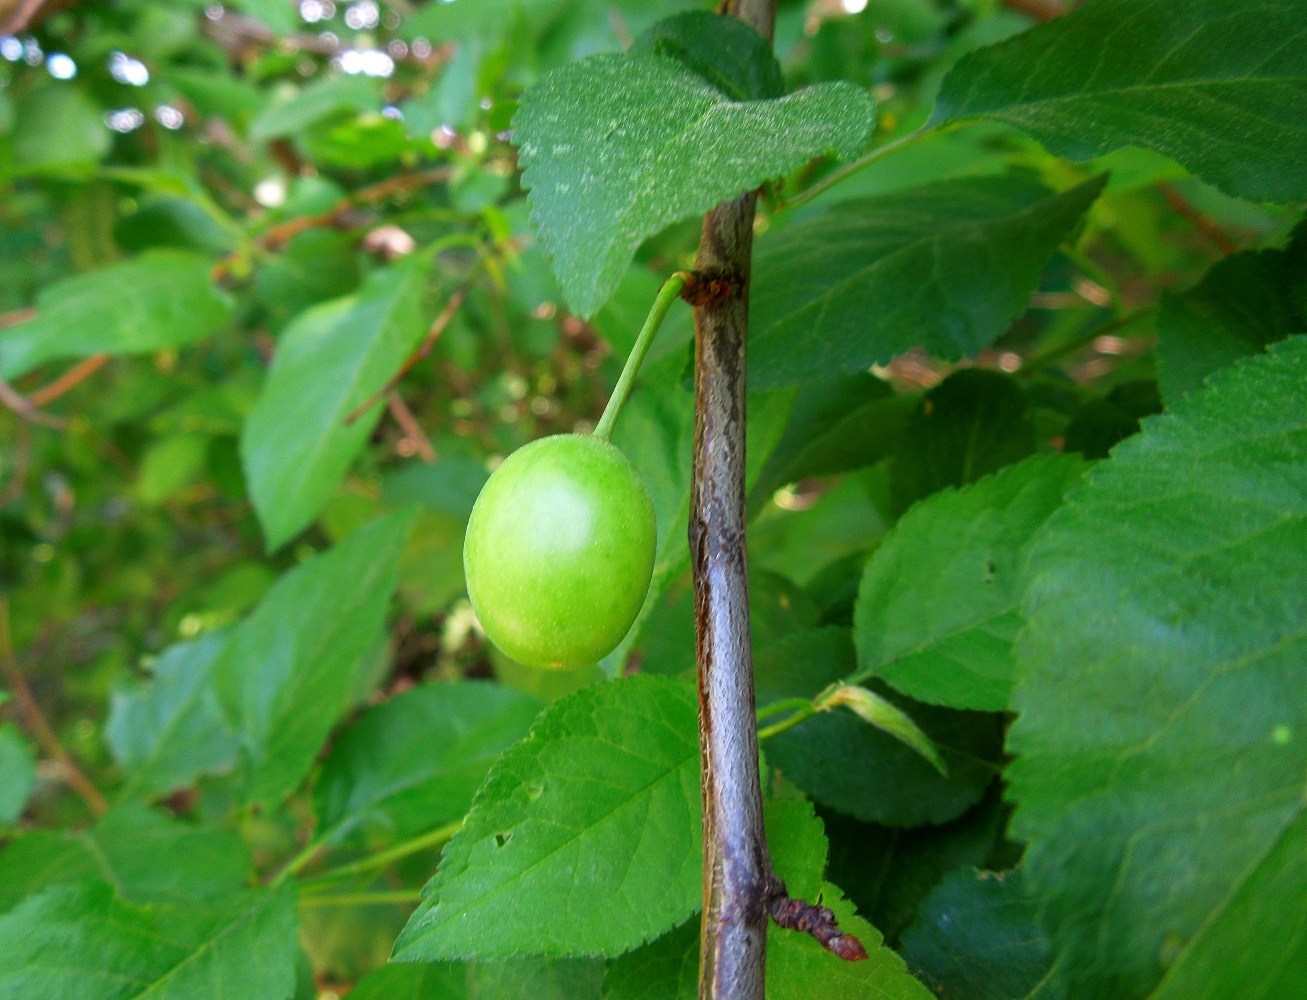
559, 551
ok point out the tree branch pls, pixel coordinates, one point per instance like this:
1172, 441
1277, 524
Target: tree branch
737, 872
740, 887
26, 409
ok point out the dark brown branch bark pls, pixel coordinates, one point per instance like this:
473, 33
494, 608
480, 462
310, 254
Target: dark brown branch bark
738, 879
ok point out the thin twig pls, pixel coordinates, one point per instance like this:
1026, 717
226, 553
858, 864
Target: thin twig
35, 720
1201, 222
70, 379
437, 328
280, 234
408, 423
23, 407
402, 896
17, 316
27, 10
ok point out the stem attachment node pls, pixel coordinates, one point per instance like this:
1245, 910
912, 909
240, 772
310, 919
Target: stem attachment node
817, 921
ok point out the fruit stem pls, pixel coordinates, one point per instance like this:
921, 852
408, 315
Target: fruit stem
667, 294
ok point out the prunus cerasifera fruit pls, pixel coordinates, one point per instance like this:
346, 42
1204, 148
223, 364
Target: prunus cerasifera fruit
559, 551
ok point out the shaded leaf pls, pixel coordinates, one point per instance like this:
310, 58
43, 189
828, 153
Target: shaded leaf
939, 603
146, 855
946, 267
513, 979
1243, 303
1162, 715
1100, 424
285, 672
168, 732
618, 147
973, 423
979, 938
887, 872
666, 969
449, 486
725, 51
160, 299
80, 941
1220, 85
296, 446
836, 424
416, 761
585, 838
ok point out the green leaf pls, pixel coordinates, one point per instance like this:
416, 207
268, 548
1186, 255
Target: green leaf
851, 766
514, 979
80, 941
144, 853
416, 761
169, 466
168, 732
584, 840
946, 267
296, 446
449, 486
1220, 85
979, 938
57, 128
666, 969
160, 299
888, 873
284, 674
938, 608
1162, 717
836, 424
1100, 424
17, 774
324, 98
1243, 303
278, 15
725, 51
618, 147
315, 266
973, 423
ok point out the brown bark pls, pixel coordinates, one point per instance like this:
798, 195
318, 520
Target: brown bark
737, 868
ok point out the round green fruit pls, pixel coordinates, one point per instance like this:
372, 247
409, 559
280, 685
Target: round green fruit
560, 550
